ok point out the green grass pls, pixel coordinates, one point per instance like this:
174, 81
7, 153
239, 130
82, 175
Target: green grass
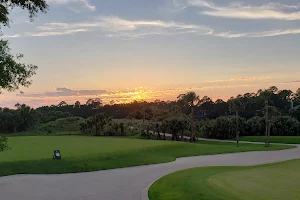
33, 155
67, 126
63, 126
267, 182
273, 139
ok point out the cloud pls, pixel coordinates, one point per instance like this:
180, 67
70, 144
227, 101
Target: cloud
276, 33
11, 36
272, 33
295, 81
119, 28
230, 35
260, 78
116, 27
80, 5
49, 33
118, 24
243, 11
64, 92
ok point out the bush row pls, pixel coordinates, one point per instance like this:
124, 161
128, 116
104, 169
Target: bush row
225, 127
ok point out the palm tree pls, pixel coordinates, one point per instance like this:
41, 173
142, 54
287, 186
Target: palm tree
77, 104
96, 124
62, 103
236, 106
190, 99
95, 103
270, 111
297, 94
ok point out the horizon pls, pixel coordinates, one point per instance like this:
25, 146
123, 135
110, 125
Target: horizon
155, 50
124, 97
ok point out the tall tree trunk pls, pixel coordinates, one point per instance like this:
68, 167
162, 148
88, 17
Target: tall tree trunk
144, 117
269, 133
158, 136
192, 139
267, 122
237, 128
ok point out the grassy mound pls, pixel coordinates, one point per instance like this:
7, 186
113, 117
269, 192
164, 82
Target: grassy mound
268, 182
33, 155
63, 126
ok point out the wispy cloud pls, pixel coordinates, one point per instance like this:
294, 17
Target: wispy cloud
243, 11
11, 36
63, 92
140, 28
272, 33
56, 33
117, 27
253, 78
47, 33
231, 35
294, 81
80, 4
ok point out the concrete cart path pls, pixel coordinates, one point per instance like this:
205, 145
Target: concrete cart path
123, 184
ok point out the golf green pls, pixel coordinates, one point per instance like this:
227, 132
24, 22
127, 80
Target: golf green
33, 155
267, 182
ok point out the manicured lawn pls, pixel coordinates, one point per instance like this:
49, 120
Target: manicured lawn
33, 154
268, 182
273, 139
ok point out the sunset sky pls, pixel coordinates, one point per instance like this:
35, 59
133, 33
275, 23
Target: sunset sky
126, 50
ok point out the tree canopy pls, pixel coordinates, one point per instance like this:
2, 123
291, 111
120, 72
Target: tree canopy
13, 73
33, 7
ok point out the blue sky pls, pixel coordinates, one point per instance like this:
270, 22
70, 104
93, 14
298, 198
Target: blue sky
141, 49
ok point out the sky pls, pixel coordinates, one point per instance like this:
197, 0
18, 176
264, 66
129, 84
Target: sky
124, 50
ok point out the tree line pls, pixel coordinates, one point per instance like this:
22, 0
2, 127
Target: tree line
273, 111
268, 103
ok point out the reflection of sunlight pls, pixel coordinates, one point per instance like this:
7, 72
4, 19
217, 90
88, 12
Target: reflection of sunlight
137, 95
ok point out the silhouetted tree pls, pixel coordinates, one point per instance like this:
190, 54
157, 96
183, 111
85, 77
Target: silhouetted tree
236, 106
13, 73
62, 103
190, 99
77, 104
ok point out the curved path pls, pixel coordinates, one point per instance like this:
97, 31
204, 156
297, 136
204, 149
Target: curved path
123, 184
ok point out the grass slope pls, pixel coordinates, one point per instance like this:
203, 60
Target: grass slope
33, 155
63, 126
267, 182
273, 139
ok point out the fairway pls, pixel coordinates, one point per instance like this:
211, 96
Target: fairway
273, 139
41, 147
33, 155
268, 182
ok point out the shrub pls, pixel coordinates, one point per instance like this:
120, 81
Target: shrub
281, 126
3, 144
255, 126
286, 126
221, 128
